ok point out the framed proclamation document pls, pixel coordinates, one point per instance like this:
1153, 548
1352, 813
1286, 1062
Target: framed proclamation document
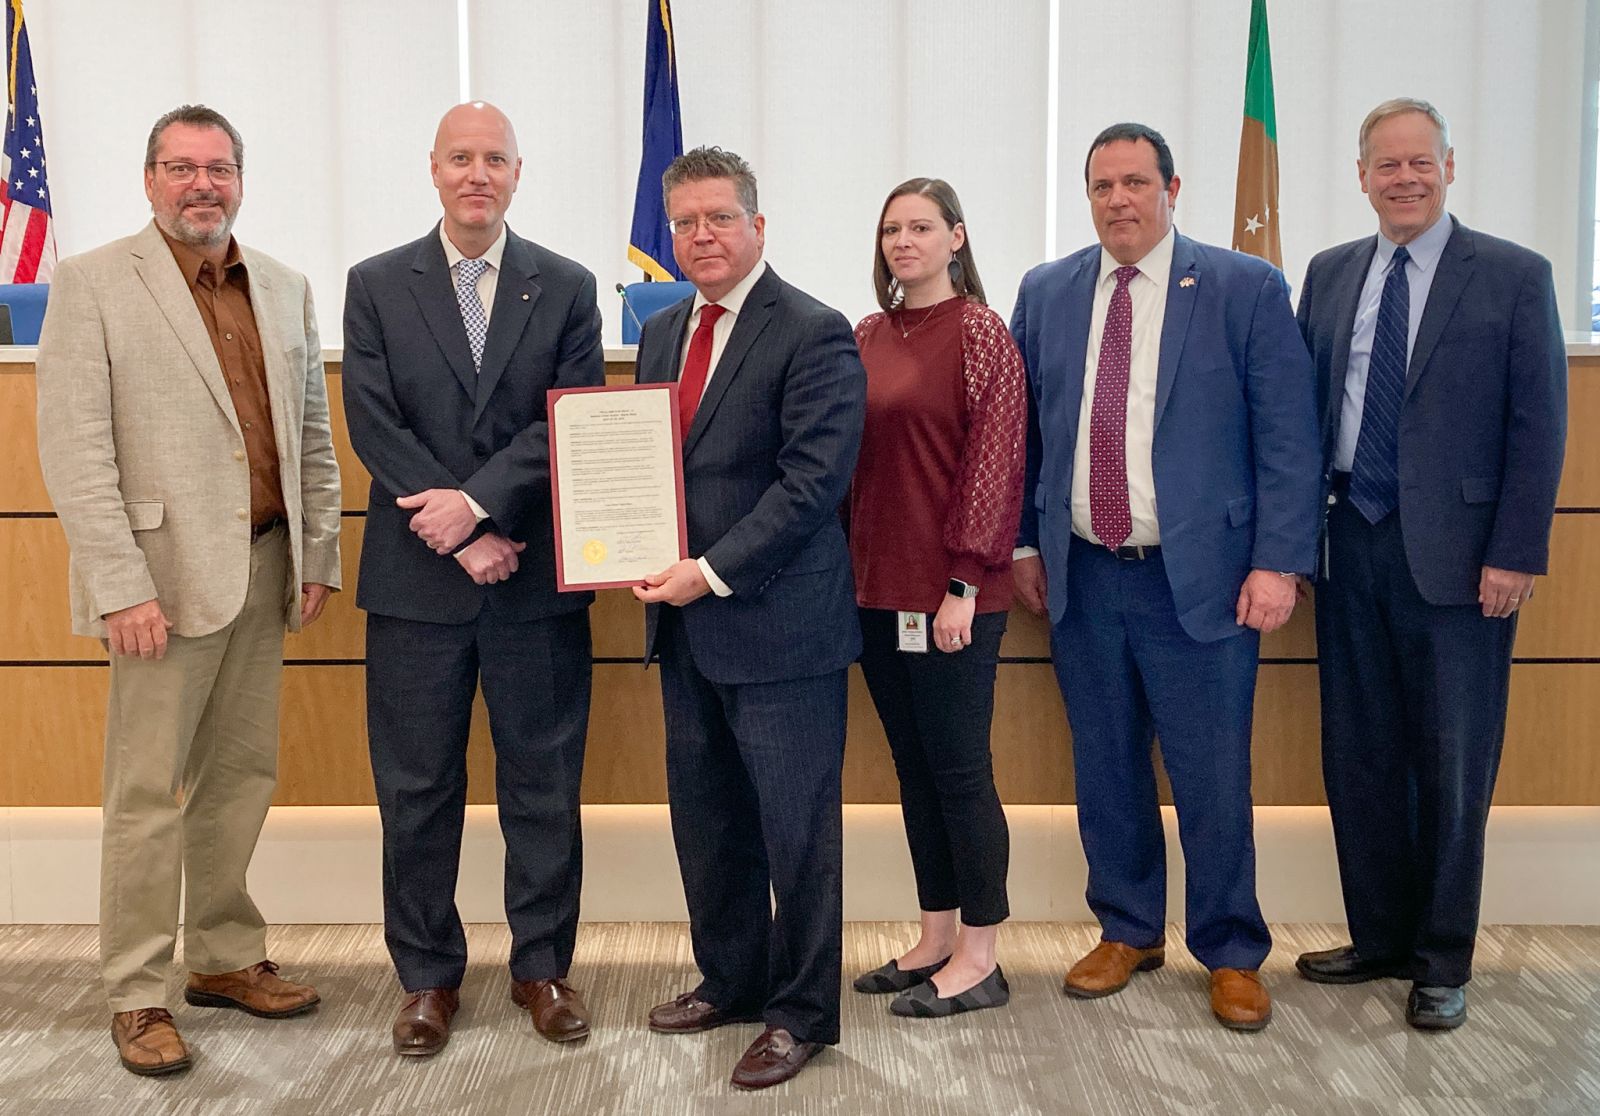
616, 484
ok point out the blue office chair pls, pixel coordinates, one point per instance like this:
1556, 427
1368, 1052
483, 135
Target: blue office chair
640, 300
27, 309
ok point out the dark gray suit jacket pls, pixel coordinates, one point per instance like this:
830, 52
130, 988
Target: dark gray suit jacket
765, 466
1484, 417
420, 418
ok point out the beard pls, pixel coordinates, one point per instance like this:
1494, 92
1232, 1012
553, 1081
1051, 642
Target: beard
179, 226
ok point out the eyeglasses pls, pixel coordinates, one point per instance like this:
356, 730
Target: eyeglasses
180, 171
716, 222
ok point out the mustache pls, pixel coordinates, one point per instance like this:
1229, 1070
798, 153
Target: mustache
201, 197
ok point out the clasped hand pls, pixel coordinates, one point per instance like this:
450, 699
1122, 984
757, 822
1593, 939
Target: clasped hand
442, 518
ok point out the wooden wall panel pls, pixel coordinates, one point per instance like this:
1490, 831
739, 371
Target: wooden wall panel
1580, 476
21, 486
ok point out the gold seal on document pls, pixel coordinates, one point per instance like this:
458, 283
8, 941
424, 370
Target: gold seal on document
594, 552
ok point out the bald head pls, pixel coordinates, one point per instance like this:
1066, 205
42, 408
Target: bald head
476, 169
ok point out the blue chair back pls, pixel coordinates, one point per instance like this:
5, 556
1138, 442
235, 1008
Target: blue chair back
643, 299
27, 302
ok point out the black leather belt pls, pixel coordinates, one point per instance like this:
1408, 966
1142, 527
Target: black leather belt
1134, 553
265, 528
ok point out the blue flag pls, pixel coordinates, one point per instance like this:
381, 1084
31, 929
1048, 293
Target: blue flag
650, 244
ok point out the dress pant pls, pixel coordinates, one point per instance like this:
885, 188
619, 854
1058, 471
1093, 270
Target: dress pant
190, 766
1413, 719
421, 679
1128, 671
754, 774
936, 708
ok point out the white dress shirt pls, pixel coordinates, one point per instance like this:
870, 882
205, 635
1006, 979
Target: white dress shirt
488, 281
1148, 293
731, 303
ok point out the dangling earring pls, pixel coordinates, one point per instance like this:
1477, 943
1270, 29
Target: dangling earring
956, 276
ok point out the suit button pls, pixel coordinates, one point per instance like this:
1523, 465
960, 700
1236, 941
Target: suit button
238, 455
242, 513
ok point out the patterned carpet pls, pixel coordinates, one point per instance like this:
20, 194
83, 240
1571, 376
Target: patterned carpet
1532, 1045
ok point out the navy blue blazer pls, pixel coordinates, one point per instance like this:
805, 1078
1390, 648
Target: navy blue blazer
765, 466
420, 418
1484, 418
1235, 453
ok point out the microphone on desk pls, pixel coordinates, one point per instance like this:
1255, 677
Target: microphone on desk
628, 306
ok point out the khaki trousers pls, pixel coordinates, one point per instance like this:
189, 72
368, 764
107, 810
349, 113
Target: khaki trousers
190, 766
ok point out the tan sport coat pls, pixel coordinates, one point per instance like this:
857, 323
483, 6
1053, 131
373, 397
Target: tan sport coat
141, 448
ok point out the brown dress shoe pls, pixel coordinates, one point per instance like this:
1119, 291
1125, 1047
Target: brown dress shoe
148, 1042
689, 1013
772, 1059
557, 1009
1109, 966
258, 990
1239, 1000
423, 1025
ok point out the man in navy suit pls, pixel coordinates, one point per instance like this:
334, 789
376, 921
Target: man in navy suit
451, 342
1171, 496
757, 629
1442, 378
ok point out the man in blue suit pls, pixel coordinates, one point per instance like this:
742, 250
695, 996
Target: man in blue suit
1442, 378
1171, 504
757, 629
451, 343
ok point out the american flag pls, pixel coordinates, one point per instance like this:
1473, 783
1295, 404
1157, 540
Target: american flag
27, 238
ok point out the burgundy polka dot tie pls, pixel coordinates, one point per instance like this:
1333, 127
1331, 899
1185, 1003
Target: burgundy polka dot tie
1108, 421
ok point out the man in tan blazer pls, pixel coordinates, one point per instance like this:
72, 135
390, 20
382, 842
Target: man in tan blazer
183, 431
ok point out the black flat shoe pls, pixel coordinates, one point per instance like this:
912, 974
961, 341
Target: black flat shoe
1434, 1007
1344, 966
892, 978
924, 1001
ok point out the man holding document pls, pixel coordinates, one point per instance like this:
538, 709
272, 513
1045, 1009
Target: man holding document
451, 343
757, 627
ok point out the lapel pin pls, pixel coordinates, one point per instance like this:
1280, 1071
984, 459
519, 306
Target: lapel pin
1186, 281
524, 298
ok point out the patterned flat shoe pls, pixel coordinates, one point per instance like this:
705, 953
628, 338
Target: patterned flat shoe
924, 1002
892, 978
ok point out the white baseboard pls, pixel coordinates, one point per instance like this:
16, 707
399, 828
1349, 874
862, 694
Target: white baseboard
321, 864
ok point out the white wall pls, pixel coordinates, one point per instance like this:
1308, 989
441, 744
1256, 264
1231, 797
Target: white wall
833, 101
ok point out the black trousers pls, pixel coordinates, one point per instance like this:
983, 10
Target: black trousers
1413, 719
936, 708
754, 776
421, 679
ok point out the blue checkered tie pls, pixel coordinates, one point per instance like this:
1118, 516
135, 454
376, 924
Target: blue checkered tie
1375, 472
472, 315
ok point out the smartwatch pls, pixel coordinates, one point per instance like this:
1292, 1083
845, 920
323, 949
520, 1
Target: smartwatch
962, 589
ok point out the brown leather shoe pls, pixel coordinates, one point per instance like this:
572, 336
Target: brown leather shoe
1109, 966
772, 1059
148, 1042
689, 1013
258, 990
422, 1026
1239, 1000
557, 1009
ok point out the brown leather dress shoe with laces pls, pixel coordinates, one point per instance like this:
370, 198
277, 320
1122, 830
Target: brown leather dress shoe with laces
1239, 1000
148, 1043
557, 1009
1109, 966
258, 990
689, 1014
772, 1059
422, 1026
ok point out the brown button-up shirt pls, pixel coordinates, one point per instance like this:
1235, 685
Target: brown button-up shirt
224, 304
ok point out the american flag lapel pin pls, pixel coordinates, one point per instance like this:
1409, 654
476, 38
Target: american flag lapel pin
1186, 281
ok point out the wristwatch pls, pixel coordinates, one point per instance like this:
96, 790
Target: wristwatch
962, 589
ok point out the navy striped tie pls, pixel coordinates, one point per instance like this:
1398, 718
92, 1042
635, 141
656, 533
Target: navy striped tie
1375, 472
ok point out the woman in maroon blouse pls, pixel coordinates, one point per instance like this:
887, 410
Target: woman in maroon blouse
933, 516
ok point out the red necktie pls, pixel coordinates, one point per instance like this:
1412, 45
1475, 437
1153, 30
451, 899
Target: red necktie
692, 384
1109, 514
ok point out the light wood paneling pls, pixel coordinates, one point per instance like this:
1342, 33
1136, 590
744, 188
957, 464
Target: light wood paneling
341, 631
55, 724
1580, 477
21, 485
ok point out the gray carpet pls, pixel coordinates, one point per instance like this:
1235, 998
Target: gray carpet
1532, 1044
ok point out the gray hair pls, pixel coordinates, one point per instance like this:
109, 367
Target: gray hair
711, 162
1396, 106
198, 116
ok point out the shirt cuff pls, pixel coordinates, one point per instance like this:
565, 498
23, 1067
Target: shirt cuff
718, 586
477, 508
1022, 552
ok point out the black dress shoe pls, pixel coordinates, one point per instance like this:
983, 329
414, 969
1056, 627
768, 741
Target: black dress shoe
892, 978
1436, 1007
1344, 966
924, 1002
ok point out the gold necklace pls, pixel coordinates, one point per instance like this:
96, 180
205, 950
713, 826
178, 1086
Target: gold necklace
904, 332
